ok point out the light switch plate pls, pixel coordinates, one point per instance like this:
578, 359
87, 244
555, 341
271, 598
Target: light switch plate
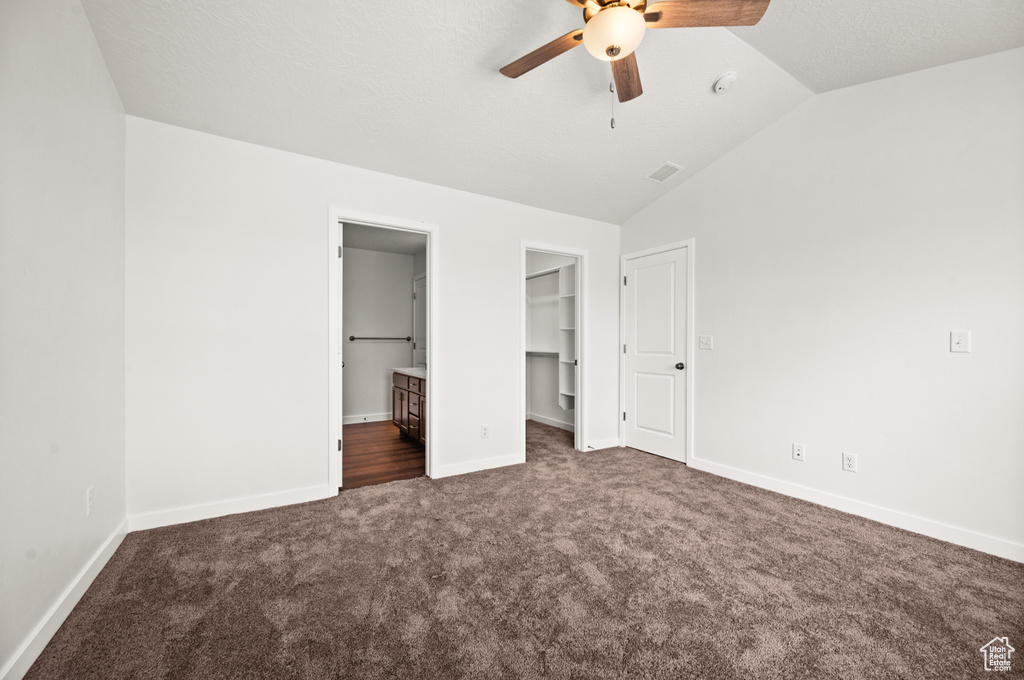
959, 341
706, 342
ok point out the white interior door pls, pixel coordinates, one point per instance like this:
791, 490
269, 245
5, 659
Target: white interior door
654, 321
419, 320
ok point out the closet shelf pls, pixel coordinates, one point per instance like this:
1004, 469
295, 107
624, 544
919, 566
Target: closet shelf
552, 314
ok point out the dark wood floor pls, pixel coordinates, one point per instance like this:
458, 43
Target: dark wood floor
374, 453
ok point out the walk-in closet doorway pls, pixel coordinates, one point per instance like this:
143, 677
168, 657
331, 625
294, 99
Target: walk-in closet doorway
552, 338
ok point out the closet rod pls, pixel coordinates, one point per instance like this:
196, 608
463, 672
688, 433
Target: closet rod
407, 338
544, 272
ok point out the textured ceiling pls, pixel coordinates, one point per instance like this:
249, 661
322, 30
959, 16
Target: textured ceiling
413, 89
829, 44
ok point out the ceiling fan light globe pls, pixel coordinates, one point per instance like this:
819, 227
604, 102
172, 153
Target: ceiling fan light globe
614, 27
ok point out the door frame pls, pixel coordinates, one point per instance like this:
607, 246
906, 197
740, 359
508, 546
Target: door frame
336, 217
426, 285
689, 245
582, 298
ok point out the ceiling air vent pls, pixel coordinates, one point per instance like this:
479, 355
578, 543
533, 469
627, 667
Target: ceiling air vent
664, 172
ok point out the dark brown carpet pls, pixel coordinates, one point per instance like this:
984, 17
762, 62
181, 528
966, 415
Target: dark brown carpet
611, 564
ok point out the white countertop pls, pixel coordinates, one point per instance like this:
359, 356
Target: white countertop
413, 372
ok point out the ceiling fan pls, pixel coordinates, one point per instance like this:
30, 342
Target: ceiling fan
613, 29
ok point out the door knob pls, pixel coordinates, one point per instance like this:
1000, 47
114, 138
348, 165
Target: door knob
680, 366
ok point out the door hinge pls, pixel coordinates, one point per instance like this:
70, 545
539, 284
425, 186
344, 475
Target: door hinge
414, 345
414, 296
623, 280
623, 348
575, 362
623, 416
339, 251
339, 445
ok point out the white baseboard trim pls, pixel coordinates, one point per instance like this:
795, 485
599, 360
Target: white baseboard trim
36, 642
944, 532
366, 418
597, 444
193, 513
551, 421
476, 465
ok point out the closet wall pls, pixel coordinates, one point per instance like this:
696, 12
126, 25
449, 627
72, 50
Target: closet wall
377, 301
542, 339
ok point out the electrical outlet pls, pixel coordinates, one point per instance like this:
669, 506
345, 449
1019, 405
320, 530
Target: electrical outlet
850, 462
798, 451
483, 432
706, 342
88, 500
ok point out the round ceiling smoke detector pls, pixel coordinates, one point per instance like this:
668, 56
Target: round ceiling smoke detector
725, 82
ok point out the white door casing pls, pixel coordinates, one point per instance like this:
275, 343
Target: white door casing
581, 297
656, 339
336, 219
419, 320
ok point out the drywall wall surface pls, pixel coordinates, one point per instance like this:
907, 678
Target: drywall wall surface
542, 397
227, 334
537, 261
542, 313
377, 303
835, 252
419, 263
61, 317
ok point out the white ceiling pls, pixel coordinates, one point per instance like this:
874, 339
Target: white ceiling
413, 89
829, 44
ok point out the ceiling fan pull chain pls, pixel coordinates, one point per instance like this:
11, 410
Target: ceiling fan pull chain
611, 88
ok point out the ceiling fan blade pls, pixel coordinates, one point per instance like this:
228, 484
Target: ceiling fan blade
699, 13
543, 54
627, 78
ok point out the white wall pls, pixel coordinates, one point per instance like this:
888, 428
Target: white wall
835, 251
537, 261
419, 263
542, 313
227, 337
61, 320
377, 302
542, 393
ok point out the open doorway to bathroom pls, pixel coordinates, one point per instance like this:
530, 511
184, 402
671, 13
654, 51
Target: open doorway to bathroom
384, 316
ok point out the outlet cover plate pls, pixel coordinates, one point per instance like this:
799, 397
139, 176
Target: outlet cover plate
706, 342
850, 462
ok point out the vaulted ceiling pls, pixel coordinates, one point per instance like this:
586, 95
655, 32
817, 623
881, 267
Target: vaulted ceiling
413, 89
